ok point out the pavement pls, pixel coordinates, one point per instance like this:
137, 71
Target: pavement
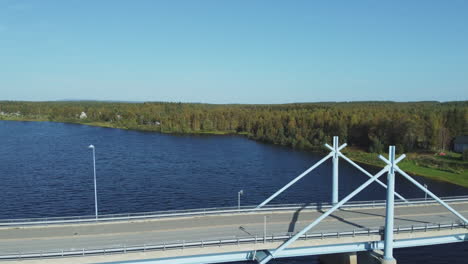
29, 239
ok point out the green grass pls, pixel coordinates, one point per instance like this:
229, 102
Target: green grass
451, 157
456, 178
214, 132
419, 164
21, 118
99, 124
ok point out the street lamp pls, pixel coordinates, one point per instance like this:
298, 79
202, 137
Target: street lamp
241, 192
95, 189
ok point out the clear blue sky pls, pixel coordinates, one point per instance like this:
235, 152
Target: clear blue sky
239, 51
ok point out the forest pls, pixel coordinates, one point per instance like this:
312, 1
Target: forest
370, 126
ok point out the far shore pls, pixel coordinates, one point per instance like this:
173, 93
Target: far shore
409, 165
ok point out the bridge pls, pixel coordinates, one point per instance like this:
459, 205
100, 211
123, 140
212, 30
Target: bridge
336, 231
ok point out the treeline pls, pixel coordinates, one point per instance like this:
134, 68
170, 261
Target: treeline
417, 126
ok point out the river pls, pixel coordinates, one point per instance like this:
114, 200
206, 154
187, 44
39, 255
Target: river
46, 170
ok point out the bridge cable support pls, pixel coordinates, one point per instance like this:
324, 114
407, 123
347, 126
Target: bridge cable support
335, 165
370, 175
362, 169
294, 181
335, 152
333, 149
272, 254
420, 186
390, 205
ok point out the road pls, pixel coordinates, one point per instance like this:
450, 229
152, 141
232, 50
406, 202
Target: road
30, 239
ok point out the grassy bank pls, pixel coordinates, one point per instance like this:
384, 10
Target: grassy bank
449, 168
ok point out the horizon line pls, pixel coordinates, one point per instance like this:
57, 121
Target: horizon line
191, 102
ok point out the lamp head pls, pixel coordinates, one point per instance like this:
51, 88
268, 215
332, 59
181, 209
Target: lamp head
91, 146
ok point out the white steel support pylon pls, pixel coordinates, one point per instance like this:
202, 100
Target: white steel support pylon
335, 153
265, 256
336, 150
390, 209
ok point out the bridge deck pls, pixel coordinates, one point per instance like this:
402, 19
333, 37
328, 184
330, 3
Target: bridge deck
28, 239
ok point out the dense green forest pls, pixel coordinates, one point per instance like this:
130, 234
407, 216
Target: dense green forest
371, 126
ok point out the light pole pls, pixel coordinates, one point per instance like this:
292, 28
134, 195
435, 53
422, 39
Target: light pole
241, 192
425, 193
95, 189
335, 171
264, 228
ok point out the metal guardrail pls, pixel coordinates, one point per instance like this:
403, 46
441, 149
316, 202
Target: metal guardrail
211, 211
220, 242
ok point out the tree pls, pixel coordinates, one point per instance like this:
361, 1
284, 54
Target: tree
376, 146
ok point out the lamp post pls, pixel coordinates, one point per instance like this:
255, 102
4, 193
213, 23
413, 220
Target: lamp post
425, 193
95, 189
241, 192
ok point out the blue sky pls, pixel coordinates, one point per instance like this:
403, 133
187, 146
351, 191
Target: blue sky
241, 51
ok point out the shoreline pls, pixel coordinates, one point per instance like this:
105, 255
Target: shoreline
356, 155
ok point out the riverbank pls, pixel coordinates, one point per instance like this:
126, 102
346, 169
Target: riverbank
447, 168
441, 168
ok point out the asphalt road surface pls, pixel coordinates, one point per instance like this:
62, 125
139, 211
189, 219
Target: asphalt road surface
32, 239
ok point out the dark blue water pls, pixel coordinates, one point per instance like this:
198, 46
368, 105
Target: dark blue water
46, 170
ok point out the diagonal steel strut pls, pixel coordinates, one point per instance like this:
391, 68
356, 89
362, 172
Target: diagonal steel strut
453, 211
368, 174
360, 168
271, 255
331, 154
295, 180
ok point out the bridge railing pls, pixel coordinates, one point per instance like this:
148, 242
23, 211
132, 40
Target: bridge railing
122, 249
212, 211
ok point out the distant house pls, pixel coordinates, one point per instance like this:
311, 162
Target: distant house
83, 115
460, 143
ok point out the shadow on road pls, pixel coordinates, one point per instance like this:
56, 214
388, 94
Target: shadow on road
343, 220
295, 217
383, 216
244, 230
